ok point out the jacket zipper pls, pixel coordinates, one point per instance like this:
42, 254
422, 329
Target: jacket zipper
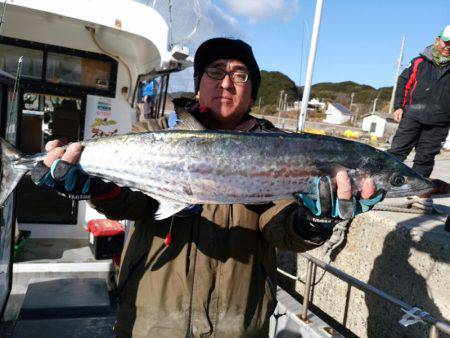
195, 235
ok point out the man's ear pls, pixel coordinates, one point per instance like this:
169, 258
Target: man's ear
197, 96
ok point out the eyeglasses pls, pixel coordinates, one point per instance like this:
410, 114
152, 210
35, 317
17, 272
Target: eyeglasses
238, 76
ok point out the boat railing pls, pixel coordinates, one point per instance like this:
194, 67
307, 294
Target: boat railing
411, 316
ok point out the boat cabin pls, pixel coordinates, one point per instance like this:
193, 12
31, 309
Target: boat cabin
83, 66
72, 69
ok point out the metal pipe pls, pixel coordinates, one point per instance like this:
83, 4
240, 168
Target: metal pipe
310, 68
434, 332
306, 293
165, 94
440, 325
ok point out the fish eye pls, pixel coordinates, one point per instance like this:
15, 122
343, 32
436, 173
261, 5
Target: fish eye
398, 180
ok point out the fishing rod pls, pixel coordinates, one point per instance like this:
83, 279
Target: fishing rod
16, 86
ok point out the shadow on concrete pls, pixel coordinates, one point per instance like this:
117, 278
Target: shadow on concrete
287, 261
288, 334
44, 249
393, 274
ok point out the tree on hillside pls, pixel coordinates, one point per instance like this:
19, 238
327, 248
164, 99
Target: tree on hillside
271, 85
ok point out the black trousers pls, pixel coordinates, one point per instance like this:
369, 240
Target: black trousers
427, 139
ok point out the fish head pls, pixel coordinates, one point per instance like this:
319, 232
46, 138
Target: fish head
395, 177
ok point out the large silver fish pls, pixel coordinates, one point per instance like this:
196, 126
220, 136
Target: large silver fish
184, 167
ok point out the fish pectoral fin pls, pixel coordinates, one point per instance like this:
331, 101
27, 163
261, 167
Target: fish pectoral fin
168, 208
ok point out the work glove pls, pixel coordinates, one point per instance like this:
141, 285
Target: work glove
323, 205
70, 181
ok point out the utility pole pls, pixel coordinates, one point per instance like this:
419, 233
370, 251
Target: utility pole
351, 101
350, 108
285, 102
374, 104
280, 105
259, 104
310, 68
280, 99
397, 73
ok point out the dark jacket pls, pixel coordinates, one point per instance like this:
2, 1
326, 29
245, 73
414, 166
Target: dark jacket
217, 278
424, 91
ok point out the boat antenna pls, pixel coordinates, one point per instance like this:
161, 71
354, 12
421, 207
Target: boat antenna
170, 25
397, 73
2, 18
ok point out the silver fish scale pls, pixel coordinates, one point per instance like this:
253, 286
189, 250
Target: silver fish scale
205, 167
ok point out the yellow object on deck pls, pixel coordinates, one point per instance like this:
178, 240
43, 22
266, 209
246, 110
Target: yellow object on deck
374, 138
351, 134
316, 131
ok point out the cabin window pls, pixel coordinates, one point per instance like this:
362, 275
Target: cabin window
32, 60
80, 71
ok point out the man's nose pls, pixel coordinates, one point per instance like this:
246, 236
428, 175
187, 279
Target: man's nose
227, 82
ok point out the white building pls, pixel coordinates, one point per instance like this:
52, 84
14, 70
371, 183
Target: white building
376, 124
337, 114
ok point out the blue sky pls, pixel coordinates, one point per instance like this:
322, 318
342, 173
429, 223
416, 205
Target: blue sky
359, 39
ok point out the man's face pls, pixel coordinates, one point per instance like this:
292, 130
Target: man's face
443, 47
228, 101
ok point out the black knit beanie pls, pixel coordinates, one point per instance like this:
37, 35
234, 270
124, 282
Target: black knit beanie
223, 48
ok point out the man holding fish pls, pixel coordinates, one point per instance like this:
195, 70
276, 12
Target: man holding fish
210, 268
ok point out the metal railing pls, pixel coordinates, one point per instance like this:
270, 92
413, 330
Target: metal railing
412, 314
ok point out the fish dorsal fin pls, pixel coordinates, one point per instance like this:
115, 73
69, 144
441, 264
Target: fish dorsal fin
184, 121
168, 207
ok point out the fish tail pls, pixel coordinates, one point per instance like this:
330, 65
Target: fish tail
10, 173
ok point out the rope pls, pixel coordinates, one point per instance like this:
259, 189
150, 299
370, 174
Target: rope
403, 209
336, 239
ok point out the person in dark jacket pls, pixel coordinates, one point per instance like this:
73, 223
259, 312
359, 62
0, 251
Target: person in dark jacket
209, 271
422, 107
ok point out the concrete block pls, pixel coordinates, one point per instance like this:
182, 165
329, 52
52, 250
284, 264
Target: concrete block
405, 255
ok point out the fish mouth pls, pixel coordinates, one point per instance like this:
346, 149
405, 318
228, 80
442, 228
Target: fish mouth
409, 192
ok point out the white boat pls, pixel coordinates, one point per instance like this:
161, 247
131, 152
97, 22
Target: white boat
82, 66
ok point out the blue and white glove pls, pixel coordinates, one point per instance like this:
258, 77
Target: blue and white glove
70, 181
323, 203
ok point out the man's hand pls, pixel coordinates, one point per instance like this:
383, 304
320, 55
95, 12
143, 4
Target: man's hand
398, 114
60, 170
55, 151
344, 187
346, 203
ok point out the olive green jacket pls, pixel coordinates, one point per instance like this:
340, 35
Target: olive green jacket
217, 278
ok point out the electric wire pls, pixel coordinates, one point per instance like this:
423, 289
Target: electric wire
115, 57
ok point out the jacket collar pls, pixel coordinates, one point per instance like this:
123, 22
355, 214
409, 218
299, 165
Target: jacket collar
201, 113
